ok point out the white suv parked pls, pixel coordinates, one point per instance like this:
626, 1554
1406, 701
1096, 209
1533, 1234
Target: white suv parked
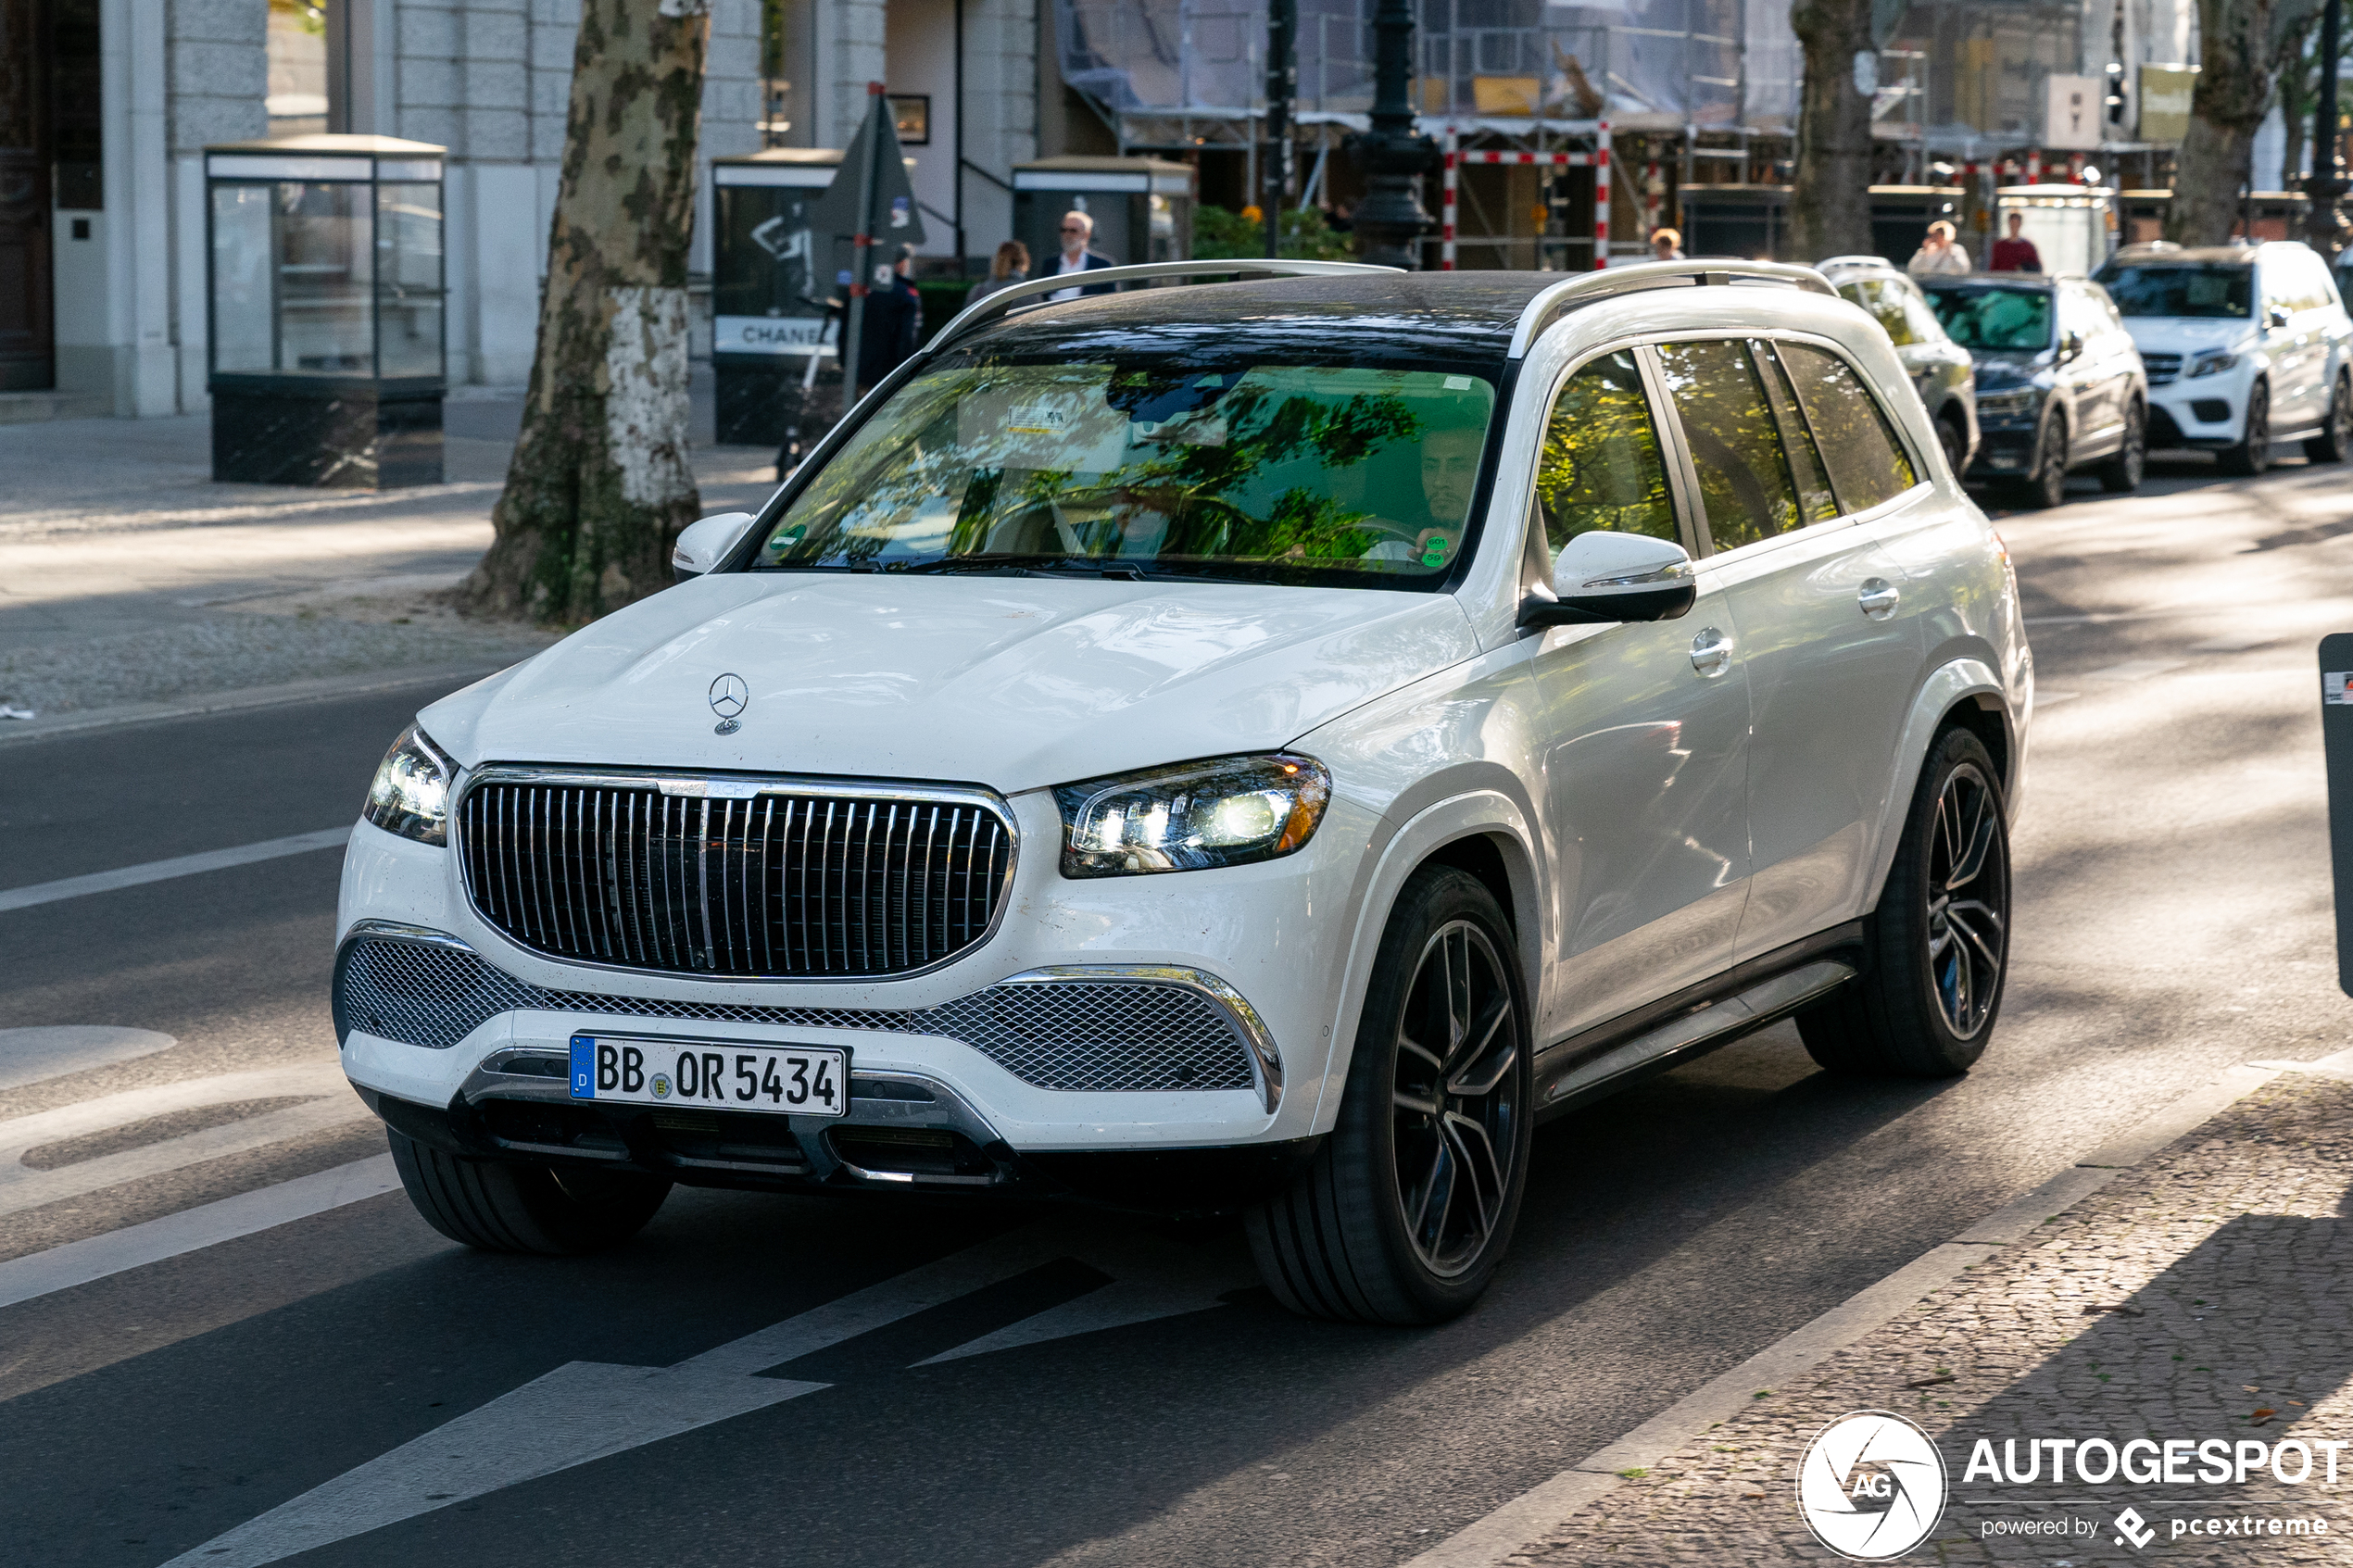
2244, 346
1248, 748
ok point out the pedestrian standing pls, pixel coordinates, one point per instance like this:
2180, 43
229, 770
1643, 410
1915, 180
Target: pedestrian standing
1666, 244
894, 317
1938, 254
1079, 256
2017, 253
1010, 266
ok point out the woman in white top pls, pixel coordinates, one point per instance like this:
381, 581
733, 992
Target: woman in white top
1938, 254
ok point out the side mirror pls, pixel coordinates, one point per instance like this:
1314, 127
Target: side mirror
1600, 577
2070, 347
702, 544
2277, 315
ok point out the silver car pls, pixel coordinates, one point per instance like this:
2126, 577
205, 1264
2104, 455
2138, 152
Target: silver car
1941, 371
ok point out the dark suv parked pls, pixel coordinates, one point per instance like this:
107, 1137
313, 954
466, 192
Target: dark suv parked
2059, 384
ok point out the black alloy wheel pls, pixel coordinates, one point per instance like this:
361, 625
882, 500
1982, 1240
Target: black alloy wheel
1456, 1101
2336, 435
2253, 453
2121, 475
2045, 485
1937, 944
1404, 1213
1967, 900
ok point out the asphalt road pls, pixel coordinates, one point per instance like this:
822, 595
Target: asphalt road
2173, 918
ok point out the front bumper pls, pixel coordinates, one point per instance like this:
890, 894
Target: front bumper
2201, 415
1228, 980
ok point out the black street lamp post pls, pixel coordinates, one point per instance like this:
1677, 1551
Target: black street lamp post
1390, 155
2323, 227
1282, 86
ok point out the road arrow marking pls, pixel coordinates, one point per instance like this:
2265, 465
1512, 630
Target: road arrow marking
587, 1411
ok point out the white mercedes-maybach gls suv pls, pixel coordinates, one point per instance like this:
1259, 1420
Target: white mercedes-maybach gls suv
1249, 749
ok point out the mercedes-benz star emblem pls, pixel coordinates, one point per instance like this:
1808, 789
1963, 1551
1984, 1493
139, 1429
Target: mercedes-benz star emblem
729, 697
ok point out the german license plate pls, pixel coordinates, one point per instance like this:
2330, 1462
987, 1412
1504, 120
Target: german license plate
793, 1080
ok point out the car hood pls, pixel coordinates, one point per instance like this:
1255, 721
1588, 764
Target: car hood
2000, 369
1012, 683
2186, 335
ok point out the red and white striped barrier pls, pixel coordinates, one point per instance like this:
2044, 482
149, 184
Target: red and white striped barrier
1597, 160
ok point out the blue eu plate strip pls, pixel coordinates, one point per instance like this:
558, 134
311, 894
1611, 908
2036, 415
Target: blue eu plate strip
584, 1067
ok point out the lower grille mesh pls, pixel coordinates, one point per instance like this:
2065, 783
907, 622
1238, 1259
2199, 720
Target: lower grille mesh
1092, 1036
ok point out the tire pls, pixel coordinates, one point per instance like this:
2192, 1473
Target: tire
1353, 1239
1927, 1003
1951, 436
2121, 475
2253, 453
503, 1207
2336, 436
2045, 486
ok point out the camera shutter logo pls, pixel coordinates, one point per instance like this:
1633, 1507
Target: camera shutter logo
1872, 1485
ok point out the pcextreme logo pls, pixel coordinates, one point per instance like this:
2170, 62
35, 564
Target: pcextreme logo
1872, 1485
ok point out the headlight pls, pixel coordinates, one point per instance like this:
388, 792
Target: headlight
2213, 364
2005, 403
1226, 811
411, 795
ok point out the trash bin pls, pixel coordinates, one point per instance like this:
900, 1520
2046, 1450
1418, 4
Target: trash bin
324, 280
1142, 207
774, 349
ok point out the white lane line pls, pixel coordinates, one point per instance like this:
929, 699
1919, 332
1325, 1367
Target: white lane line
585, 1410
20, 1133
28, 1056
332, 1105
191, 1230
22, 1188
1486, 1542
164, 871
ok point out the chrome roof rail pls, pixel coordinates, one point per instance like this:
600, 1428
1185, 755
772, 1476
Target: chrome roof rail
1031, 291
1588, 287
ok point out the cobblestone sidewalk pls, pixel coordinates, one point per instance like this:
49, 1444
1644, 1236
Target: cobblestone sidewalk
2205, 1294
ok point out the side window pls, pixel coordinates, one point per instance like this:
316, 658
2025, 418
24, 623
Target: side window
1601, 466
1797, 442
1866, 461
1885, 302
1744, 480
1923, 319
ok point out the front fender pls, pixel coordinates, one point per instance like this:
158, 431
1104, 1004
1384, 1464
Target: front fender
1481, 813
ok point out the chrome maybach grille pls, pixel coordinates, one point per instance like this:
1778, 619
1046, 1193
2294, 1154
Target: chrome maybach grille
1108, 1036
734, 879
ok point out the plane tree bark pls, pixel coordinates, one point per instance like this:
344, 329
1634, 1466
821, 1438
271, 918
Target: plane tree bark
2242, 47
598, 485
1830, 196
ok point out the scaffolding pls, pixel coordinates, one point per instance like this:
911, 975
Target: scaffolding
1453, 158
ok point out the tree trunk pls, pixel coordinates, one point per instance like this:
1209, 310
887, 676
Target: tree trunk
1830, 202
598, 485
2299, 88
2243, 47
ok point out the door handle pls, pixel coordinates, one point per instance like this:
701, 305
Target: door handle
1879, 597
1711, 653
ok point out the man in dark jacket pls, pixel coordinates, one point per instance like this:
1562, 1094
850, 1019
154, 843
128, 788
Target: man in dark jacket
894, 315
1079, 256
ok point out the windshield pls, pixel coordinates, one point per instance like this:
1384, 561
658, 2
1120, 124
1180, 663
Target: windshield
1340, 475
1994, 316
2224, 291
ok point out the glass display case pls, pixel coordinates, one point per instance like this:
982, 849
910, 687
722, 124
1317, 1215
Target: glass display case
326, 287
773, 338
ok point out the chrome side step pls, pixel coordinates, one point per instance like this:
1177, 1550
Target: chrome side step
1717, 1025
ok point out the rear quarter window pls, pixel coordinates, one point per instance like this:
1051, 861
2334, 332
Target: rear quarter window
1857, 439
